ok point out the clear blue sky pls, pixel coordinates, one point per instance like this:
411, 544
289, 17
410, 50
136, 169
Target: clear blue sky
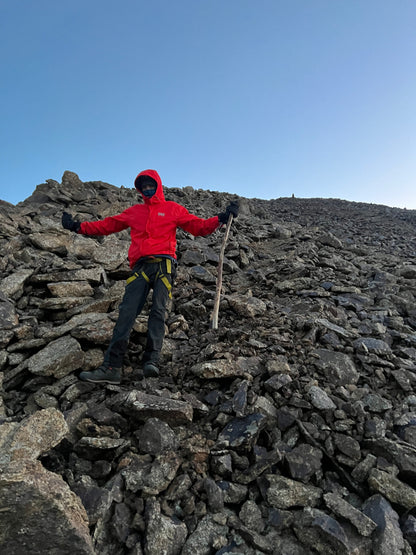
263, 98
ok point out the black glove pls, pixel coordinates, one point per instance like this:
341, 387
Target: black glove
69, 223
232, 208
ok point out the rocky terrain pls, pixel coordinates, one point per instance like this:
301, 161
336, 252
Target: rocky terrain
289, 430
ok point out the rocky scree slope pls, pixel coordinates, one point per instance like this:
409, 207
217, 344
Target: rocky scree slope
290, 429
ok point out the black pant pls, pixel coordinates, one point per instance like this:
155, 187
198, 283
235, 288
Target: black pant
131, 306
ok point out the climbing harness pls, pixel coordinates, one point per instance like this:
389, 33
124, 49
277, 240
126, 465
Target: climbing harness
160, 275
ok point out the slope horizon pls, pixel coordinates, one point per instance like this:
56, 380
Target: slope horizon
217, 190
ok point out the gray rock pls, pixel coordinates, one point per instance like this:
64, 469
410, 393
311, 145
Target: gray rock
250, 515
338, 367
71, 288
225, 368
215, 495
281, 232
402, 455
106, 417
279, 365
348, 446
241, 432
395, 490
82, 247
151, 477
156, 436
247, 307
96, 500
266, 407
322, 533
295, 285
84, 322
61, 303
99, 332
364, 525
8, 316
121, 523
263, 461
32, 437
39, 504
180, 485
330, 240
97, 448
208, 535
92, 275
252, 538
404, 378
408, 271
222, 465
362, 470
163, 534
409, 530
374, 427
240, 399
143, 406
388, 537
3, 359
202, 274
12, 285
353, 301
370, 345
233, 493
320, 399
2, 409
56, 242
72, 183
304, 461
283, 493
277, 382
376, 403
339, 330
58, 359
111, 254
192, 258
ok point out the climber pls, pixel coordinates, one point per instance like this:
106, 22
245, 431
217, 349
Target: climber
152, 258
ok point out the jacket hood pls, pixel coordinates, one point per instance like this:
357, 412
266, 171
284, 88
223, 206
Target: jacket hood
158, 196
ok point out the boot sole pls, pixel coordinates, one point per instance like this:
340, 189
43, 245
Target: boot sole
92, 380
101, 381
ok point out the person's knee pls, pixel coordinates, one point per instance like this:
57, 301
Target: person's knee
159, 304
157, 313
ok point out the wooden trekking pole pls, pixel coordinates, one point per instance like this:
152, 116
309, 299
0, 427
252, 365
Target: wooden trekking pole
214, 319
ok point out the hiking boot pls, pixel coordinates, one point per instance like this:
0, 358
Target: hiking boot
150, 370
103, 374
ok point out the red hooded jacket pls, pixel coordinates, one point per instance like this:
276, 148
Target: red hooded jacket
152, 224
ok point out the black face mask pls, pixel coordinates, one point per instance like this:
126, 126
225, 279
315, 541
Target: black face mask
149, 192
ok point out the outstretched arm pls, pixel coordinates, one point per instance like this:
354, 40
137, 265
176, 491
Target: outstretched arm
197, 226
109, 225
200, 226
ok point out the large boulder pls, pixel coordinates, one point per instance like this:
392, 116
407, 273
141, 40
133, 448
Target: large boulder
42, 515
